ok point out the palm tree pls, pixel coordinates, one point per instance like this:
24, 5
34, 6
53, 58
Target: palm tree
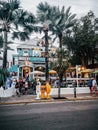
43, 16
59, 22
16, 21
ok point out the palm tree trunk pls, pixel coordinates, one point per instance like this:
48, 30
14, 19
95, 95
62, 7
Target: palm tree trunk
5, 50
59, 88
60, 40
46, 56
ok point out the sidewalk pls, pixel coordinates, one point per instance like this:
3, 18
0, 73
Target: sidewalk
24, 99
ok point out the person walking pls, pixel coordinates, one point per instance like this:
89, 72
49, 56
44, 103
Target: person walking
38, 89
57, 82
17, 88
20, 85
26, 87
94, 86
90, 85
23, 86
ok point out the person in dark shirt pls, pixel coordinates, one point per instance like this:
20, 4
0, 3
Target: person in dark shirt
90, 85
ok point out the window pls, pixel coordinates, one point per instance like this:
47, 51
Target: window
26, 52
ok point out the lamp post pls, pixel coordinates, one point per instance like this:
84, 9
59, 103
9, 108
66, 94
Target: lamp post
45, 28
77, 75
75, 93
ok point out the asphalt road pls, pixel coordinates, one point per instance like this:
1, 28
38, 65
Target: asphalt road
50, 116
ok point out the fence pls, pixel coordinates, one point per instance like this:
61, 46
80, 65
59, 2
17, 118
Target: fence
54, 91
7, 92
82, 82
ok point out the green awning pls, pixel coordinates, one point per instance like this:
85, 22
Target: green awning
37, 60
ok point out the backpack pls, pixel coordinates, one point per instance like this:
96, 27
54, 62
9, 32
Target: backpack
17, 85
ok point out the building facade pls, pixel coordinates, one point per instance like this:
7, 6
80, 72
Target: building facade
30, 57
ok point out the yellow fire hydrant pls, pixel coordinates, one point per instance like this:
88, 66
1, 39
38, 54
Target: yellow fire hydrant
43, 90
48, 90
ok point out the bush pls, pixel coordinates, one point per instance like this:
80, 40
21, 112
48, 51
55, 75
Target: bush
3, 74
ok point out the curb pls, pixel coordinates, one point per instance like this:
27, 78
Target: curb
26, 102
78, 99
47, 100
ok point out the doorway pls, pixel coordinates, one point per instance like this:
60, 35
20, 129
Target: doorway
26, 72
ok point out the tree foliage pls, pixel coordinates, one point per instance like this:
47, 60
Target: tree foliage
3, 74
83, 39
16, 21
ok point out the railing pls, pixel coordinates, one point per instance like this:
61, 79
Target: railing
82, 82
51, 77
54, 91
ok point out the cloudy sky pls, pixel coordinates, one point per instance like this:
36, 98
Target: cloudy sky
80, 7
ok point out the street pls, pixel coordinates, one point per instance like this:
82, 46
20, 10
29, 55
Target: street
64, 115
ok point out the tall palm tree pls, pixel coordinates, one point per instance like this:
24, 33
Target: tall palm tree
14, 20
59, 22
43, 16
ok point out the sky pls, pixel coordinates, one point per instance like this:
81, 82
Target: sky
79, 7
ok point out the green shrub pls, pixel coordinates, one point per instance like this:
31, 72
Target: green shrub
3, 74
